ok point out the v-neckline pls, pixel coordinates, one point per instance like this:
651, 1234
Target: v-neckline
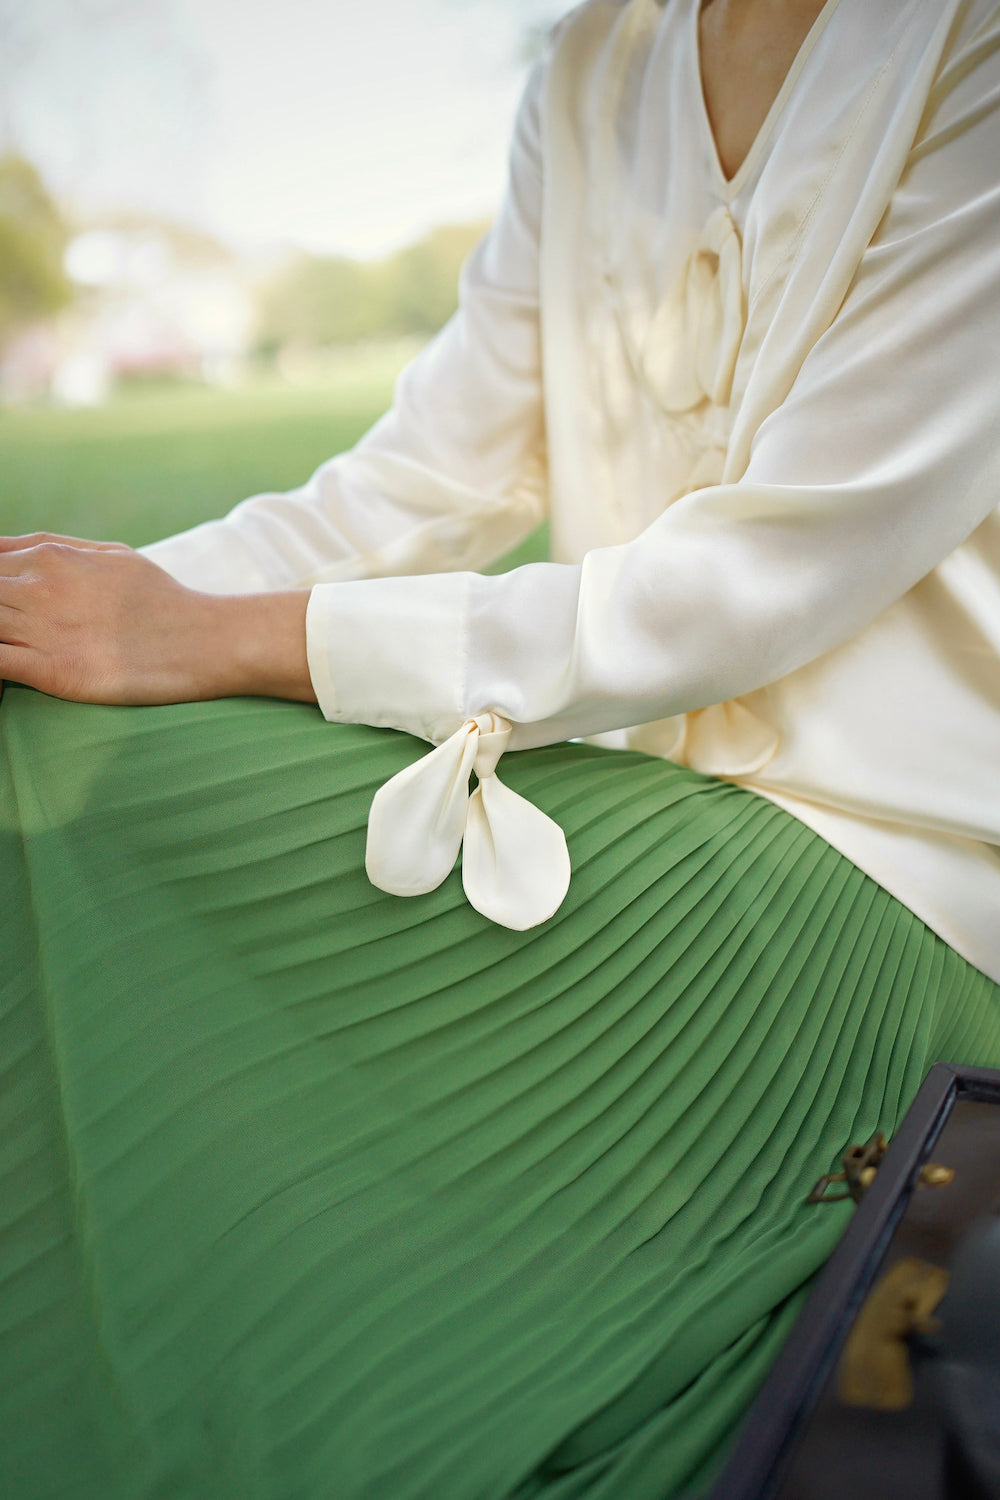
729, 187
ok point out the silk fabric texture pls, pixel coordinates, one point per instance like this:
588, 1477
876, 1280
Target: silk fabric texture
515, 865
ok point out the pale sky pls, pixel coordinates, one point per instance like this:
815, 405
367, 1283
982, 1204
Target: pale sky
332, 124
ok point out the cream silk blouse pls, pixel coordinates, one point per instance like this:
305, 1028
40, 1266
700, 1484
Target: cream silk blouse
763, 416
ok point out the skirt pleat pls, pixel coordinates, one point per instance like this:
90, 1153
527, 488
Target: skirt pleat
308, 1191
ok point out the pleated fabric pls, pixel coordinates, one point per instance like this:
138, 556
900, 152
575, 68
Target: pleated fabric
309, 1191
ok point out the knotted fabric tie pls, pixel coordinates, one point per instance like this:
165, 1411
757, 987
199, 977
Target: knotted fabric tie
515, 864
694, 336
727, 739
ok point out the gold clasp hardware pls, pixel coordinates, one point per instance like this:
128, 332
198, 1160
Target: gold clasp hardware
861, 1164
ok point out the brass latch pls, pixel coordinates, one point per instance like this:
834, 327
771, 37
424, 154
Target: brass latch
861, 1163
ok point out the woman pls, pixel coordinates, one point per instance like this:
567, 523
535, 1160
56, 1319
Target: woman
320, 1192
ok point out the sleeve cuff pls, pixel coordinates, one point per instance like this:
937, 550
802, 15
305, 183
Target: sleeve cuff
391, 652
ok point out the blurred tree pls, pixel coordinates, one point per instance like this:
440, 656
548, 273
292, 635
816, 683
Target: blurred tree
421, 280
318, 300
32, 239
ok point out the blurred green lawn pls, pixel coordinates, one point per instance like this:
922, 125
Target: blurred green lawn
154, 462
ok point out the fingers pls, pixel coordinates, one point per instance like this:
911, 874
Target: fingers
32, 561
38, 538
46, 556
16, 664
40, 626
19, 660
100, 625
12, 617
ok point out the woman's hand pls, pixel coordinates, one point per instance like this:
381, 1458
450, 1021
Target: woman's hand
98, 623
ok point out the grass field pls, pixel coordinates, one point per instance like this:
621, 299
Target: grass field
152, 463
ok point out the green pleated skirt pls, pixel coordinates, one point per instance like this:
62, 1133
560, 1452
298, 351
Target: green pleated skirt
309, 1191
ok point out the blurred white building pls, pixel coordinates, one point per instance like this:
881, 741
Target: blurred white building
154, 300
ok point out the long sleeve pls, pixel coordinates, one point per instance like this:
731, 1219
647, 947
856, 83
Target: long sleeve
881, 460
454, 475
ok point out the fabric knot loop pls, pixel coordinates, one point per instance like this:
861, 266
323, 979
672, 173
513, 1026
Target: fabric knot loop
491, 744
728, 739
694, 336
515, 864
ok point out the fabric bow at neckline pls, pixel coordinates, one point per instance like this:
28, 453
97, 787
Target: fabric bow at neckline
515, 864
690, 350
